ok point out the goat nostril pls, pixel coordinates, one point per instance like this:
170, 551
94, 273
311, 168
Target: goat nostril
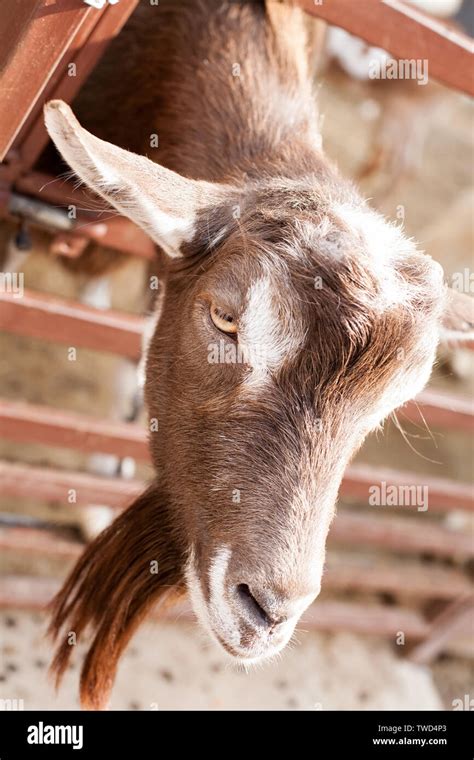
253, 605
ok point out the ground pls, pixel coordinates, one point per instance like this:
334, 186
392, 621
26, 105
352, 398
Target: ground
173, 666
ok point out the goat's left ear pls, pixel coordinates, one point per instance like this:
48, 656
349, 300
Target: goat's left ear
162, 202
458, 319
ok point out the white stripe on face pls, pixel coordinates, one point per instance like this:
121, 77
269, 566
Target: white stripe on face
218, 613
263, 338
195, 593
222, 616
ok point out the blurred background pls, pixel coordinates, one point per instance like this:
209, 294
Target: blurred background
409, 148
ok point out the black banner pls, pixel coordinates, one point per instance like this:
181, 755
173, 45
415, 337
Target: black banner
150, 734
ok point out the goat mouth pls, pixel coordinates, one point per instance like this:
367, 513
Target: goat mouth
227, 647
262, 650
247, 645
241, 637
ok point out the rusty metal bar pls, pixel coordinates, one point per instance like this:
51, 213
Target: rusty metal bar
440, 410
406, 33
85, 50
51, 318
346, 571
23, 423
342, 573
16, 16
66, 487
364, 619
105, 228
401, 534
456, 620
40, 542
35, 593
404, 535
442, 495
32, 59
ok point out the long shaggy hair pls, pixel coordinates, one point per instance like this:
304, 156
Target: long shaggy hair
132, 566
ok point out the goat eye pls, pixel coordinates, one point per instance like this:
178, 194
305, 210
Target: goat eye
223, 320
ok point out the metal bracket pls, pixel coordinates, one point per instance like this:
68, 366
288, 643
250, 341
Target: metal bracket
99, 4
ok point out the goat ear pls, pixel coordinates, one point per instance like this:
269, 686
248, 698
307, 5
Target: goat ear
458, 319
130, 566
163, 203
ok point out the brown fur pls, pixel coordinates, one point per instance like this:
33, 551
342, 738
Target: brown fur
258, 134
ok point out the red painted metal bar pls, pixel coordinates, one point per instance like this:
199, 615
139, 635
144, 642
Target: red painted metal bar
404, 32
38, 542
441, 494
405, 535
85, 50
347, 571
364, 619
105, 228
401, 534
66, 487
343, 572
33, 58
24, 423
456, 619
440, 410
28, 422
16, 16
56, 319
35, 593
73, 35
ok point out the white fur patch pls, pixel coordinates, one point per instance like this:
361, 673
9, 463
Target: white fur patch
263, 338
385, 245
170, 231
218, 614
196, 594
383, 239
150, 323
221, 611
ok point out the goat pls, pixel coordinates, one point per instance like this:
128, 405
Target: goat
294, 320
